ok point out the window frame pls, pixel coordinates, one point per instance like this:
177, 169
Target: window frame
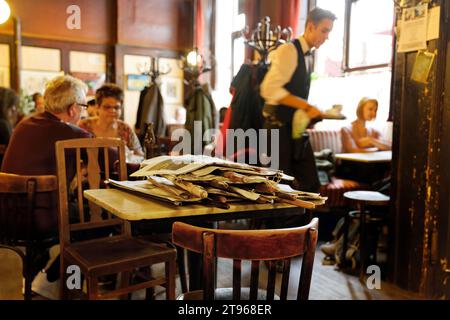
235, 35
346, 54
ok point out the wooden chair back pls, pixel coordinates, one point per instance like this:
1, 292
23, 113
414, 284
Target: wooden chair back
17, 205
88, 175
254, 245
20, 207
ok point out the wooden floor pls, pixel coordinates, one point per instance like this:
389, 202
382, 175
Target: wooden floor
327, 282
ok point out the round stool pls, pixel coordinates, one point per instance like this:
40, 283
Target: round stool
361, 199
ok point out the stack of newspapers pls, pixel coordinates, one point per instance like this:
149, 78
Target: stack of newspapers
209, 180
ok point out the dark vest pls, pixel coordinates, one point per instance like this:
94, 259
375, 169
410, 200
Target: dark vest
298, 85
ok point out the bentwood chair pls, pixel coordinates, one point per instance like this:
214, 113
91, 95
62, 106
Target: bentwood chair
255, 245
24, 200
99, 253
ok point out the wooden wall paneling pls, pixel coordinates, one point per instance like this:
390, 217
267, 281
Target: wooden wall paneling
164, 27
410, 177
155, 24
47, 19
185, 25
420, 184
397, 96
436, 214
271, 9
439, 280
395, 84
444, 219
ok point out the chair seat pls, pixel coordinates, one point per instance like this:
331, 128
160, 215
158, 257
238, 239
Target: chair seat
335, 190
110, 255
224, 294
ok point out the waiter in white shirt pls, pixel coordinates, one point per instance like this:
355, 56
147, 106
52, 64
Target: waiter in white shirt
285, 89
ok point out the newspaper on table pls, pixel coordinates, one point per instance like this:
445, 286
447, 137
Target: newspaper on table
147, 188
195, 164
203, 179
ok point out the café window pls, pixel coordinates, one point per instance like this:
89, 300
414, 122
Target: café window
368, 34
230, 47
361, 38
355, 61
237, 41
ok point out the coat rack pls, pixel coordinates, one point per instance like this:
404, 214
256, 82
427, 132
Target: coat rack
153, 71
264, 40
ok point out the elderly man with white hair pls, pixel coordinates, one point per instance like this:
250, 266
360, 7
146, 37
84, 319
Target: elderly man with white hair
31, 150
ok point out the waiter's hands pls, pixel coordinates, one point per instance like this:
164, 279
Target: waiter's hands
313, 112
298, 103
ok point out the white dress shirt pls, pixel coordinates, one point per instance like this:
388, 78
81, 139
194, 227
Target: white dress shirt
283, 64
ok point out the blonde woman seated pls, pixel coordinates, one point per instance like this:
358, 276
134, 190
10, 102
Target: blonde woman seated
359, 138
109, 100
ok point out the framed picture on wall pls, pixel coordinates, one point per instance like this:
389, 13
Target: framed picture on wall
172, 90
32, 81
137, 82
92, 80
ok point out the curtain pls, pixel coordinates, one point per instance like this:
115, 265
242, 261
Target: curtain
199, 31
290, 14
199, 25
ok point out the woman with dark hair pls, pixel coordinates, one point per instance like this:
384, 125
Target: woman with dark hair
9, 101
109, 100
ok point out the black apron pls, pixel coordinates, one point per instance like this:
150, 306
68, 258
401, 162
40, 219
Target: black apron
296, 156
